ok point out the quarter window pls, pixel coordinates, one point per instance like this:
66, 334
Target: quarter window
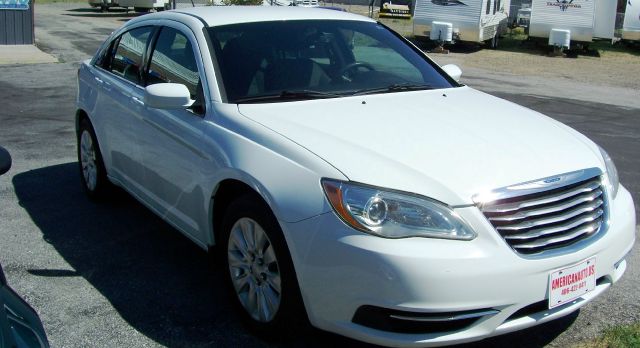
173, 61
127, 59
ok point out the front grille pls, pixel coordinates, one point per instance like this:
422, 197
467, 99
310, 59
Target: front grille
540, 221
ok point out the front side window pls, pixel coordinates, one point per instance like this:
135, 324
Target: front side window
127, 54
173, 60
317, 58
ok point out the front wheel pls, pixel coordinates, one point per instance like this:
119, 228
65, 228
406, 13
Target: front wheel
92, 170
261, 273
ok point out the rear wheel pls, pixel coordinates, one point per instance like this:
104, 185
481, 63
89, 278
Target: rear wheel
92, 170
494, 42
260, 271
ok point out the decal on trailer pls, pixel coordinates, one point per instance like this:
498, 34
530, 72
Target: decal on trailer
564, 4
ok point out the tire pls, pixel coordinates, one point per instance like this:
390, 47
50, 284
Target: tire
258, 265
92, 171
493, 44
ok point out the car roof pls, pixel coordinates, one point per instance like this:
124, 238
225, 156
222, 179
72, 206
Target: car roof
224, 15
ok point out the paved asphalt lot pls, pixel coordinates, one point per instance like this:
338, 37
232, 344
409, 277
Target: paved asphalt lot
115, 275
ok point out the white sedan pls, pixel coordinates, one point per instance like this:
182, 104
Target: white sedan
347, 178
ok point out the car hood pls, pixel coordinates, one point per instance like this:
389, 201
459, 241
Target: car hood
444, 144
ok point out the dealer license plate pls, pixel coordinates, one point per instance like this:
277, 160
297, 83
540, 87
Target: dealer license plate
569, 283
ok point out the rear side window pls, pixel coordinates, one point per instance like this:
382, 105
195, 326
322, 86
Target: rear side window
127, 57
173, 61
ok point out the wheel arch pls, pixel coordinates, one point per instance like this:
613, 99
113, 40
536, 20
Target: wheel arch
81, 115
226, 191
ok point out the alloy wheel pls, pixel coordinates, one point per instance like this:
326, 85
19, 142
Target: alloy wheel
254, 269
88, 160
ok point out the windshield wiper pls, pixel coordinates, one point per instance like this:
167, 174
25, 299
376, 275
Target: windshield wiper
288, 95
397, 87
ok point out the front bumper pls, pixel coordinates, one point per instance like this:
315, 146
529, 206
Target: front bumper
341, 270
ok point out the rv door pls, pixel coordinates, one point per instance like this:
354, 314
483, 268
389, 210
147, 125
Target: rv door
604, 20
631, 27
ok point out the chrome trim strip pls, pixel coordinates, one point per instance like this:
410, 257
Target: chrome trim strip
536, 186
560, 218
507, 207
446, 318
550, 209
553, 240
566, 227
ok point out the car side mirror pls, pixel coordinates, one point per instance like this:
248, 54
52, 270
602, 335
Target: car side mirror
453, 71
5, 160
167, 96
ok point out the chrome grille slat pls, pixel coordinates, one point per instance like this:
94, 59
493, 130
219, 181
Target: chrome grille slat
561, 228
553, 240
554, 218
559, 216
550, 209
507, 207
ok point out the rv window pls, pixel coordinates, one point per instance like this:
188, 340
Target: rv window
498, 5
488, 6
495, 6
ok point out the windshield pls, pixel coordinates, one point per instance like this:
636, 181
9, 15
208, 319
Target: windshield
294, 60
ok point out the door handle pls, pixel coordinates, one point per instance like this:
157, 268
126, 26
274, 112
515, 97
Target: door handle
137, 101
98, 80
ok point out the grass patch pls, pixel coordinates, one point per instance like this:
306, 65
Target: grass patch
605, 48
617, 337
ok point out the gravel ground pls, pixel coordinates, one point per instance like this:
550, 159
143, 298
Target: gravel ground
612, 78
114, 275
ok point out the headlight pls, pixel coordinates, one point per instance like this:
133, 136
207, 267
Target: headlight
612, 173
394, 215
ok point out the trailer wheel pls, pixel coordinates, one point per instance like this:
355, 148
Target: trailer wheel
494, 42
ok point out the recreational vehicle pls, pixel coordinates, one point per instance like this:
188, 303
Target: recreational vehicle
104, 5
566, 21
631, 26
144, 5
301, 3
449, 21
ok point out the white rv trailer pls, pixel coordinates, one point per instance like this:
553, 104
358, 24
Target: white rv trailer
631, 26
301, 3
144, 5
563, 21
461, 20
